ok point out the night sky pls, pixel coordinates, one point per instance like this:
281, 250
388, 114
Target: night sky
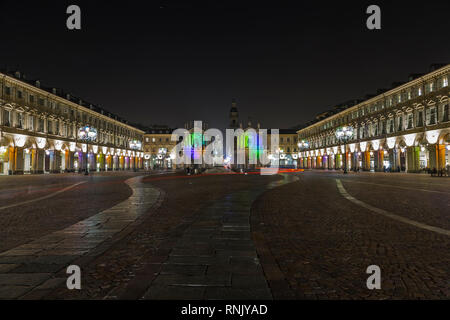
166, 62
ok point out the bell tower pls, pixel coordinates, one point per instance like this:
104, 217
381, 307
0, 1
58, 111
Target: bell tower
234, 115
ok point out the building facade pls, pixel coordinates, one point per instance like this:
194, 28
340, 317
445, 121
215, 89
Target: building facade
404, 129
43, 130
157, 148
287, 151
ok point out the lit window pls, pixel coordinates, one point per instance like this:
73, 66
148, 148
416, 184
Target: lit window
445, 82
419, 92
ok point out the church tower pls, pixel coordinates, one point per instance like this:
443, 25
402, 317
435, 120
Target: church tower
234, 115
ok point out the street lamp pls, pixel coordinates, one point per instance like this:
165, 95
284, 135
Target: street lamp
303, 145
87, 134
343, 134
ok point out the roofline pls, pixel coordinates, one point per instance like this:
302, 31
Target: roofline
418, 80
73, 104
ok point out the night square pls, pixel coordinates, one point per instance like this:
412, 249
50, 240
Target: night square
218, 151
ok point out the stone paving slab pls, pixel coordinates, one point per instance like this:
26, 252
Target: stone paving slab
33, 265
215, 257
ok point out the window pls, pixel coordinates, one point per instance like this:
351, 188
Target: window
7, 91
400, 123
431, 116
419, 119
391, 125
445, 113
419, 91
410, 121
409, 95
431, 86
445, 82
31, 97
41, 125
19, 94
7, 118
31, 123
50, 127
20, 120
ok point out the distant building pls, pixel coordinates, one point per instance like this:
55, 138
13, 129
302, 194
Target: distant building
287, 152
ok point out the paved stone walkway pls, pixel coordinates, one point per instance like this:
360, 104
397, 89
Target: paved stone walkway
30, 268
215, 258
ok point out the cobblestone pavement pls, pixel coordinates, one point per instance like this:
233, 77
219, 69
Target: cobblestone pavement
315, 244
30, 221
178, 250
293, 236
28, 270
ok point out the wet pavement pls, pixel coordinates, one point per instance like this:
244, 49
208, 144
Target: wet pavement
215, 258
308, 235
29, 268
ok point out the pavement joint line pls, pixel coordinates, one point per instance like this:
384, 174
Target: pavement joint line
42, 198
394, 186
135, 184
385, 213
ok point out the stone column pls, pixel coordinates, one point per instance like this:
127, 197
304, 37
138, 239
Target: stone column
441, 148
433, 152
392, 160
19, 160
413, 156
380, 158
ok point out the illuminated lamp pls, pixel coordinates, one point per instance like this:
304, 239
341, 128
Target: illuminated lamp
363, 146
432, 136
375, 144
41, 142
391, 142
19, 140
58, 145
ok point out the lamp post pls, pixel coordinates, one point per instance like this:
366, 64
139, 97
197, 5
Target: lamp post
87, 134
343, 134
303, 145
